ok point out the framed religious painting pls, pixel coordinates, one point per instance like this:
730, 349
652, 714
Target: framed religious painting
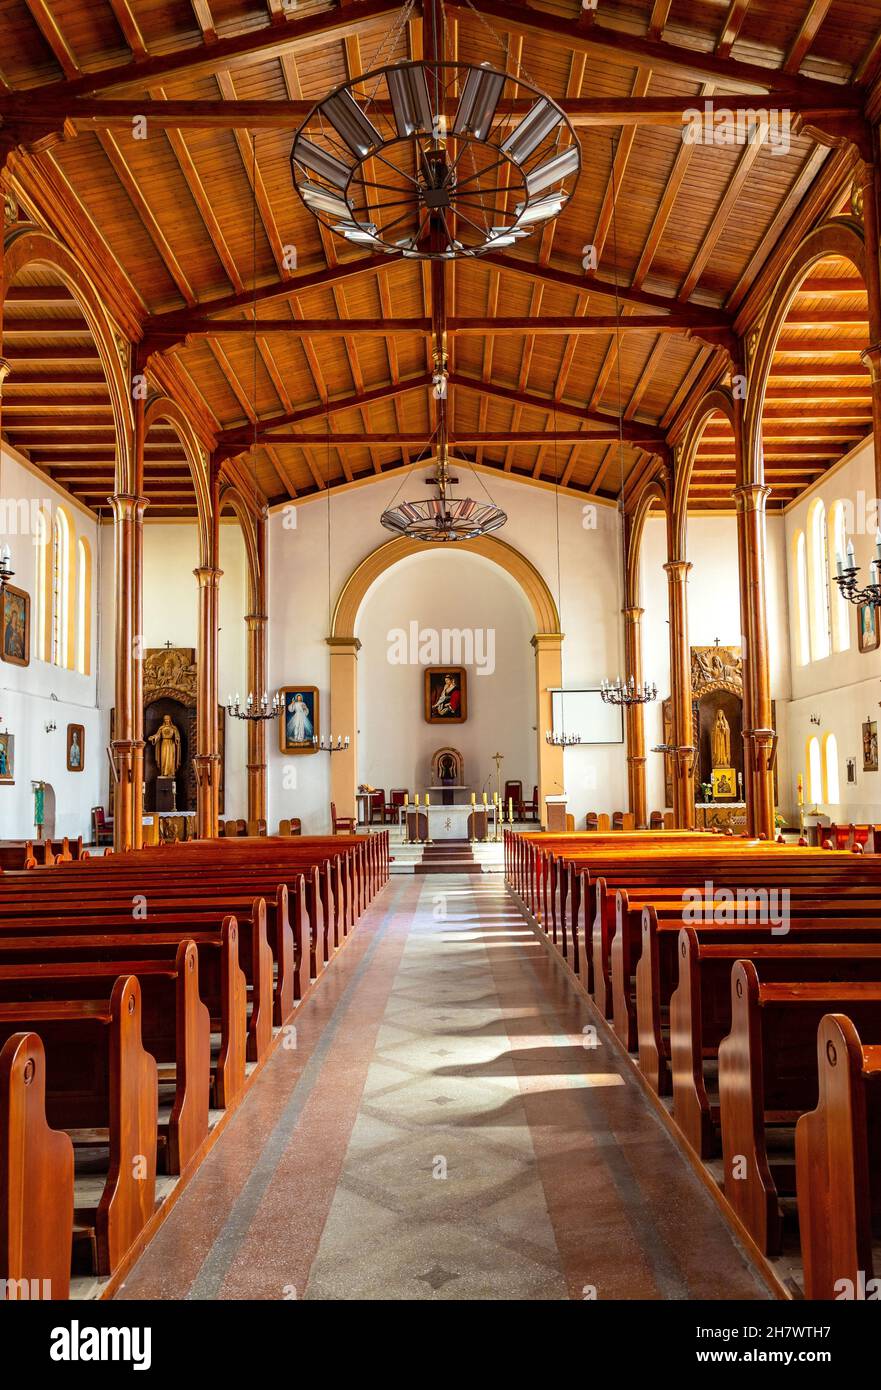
867, 627
15, 625
76, 747
7, 758
446, 694
298, 730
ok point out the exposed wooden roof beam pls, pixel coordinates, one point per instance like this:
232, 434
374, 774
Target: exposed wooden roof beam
270, 40
621, 47
240, 437
803, 40
129, 27
278, 113
422, 439
144, 210
732, 27
41, 13
632, 430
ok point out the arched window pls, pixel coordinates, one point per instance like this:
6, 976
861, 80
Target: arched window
60, 587
815, 772
839, 604
83, 607
802, 628
42, 605
830, 770
818, 581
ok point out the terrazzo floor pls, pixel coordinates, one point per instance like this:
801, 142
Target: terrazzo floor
438, 1124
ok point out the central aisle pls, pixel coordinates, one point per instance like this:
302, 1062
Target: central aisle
437, 1128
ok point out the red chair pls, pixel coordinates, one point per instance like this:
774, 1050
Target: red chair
342, 825
102, 827
514, 794
376, 806
530, 808
399, 796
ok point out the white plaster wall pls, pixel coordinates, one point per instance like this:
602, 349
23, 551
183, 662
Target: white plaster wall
713, 611
842, 689
171, 614
299, 620
26, 692
395, 742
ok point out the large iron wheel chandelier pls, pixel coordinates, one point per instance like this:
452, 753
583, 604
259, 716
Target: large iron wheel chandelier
435, 160
443, 518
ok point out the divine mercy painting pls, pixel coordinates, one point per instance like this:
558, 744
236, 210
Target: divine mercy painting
298, 729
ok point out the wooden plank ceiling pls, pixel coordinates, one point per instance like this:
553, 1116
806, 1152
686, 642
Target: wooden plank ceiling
185, 221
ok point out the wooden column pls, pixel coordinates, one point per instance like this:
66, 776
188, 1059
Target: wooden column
636, 793
256, 624
137, 601
128, 513
760, 739
7, 144
207, 757
680, 690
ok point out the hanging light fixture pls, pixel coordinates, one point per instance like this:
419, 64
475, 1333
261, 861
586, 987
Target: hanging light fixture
258, 706
391, 158
443, 518
627, 691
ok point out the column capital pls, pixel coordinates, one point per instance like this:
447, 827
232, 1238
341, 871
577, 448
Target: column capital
256, 620
347, 645
5, 369
128, 506
677, 569
546, 639
633, 614
751, 497
207, 576
871, 360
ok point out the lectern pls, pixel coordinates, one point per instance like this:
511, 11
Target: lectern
555, 807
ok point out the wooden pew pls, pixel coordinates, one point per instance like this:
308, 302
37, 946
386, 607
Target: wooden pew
768, 1078
838, 1166
222, 986
36, 1176
700, 1008
175, 1027
101, 1086
640, 1007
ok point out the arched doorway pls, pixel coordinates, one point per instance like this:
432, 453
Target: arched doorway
546, 641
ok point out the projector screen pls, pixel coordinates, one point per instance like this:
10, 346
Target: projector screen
584, 712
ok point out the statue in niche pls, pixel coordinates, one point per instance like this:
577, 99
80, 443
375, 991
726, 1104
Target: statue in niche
166, 746
721, 741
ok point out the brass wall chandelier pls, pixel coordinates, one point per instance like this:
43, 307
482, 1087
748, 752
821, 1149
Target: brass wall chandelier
435, 159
